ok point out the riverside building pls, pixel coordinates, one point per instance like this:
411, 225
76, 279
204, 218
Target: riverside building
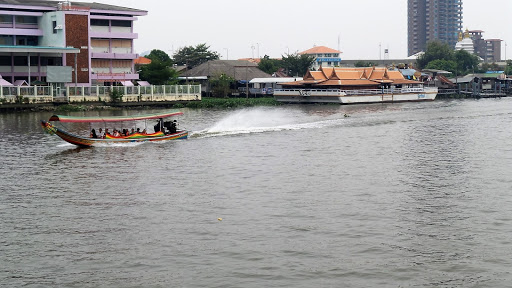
430, 20
324, 57
93, 40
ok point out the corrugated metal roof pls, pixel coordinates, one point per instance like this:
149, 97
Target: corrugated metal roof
237, 69
275, 80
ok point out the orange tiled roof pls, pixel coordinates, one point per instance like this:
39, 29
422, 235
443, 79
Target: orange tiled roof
352, 82
320, 49
317, 75
142, 61
395, 75
367, 76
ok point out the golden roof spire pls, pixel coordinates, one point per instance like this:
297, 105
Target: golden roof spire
466, 34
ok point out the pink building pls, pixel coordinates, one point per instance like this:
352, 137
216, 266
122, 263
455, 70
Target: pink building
94, 40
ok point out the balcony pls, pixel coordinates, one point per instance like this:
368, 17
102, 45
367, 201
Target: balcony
21, 31
116, 35
109, 76
125, 56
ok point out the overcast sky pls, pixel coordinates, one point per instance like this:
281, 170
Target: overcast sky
275, 27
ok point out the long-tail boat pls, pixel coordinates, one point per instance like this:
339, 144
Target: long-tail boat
163, 130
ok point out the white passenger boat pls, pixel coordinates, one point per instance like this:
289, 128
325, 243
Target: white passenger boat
354, 85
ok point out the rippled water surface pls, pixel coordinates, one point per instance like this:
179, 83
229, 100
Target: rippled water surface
401, 195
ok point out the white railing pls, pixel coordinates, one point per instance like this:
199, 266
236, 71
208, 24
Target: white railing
41, 94
339, 92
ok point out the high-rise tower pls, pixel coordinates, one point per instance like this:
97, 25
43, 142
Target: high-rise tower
430, 20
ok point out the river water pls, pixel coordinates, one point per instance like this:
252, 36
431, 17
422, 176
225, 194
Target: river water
394, 195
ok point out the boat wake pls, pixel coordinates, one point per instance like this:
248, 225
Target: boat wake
262, 120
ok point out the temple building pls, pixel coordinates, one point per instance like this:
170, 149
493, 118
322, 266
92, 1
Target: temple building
465, 43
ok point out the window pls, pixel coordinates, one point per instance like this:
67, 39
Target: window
51, 61
30, 20
27, 41
121, 23
5, 19
54, 23
20, 61
5, 61
34, 60
6, 40
99, 22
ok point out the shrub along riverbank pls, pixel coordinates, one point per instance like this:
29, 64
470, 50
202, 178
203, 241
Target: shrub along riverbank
207, 102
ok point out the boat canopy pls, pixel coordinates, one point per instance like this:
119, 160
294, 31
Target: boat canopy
76, 119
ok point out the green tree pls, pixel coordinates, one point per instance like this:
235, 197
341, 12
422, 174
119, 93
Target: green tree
466, 62
268, 65
508, 68
159, 55
490, 67
194, 56
297, 65
364, 64
435, 51
159, 71
442, 64
440, 56
220, 84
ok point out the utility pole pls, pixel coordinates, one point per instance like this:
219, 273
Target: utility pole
247, 80
505, 51
29, 69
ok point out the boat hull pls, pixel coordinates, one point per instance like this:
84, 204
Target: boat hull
353, 97
89, 142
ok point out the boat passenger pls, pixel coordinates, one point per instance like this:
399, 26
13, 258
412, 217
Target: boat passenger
105, 134
93, 134
133, 131
174, 127
138, 130
116, 133
144, 131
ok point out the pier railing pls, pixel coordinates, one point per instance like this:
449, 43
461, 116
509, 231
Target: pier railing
71, 94
339, 92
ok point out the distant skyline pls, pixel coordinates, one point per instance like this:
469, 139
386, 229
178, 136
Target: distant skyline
243, 29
